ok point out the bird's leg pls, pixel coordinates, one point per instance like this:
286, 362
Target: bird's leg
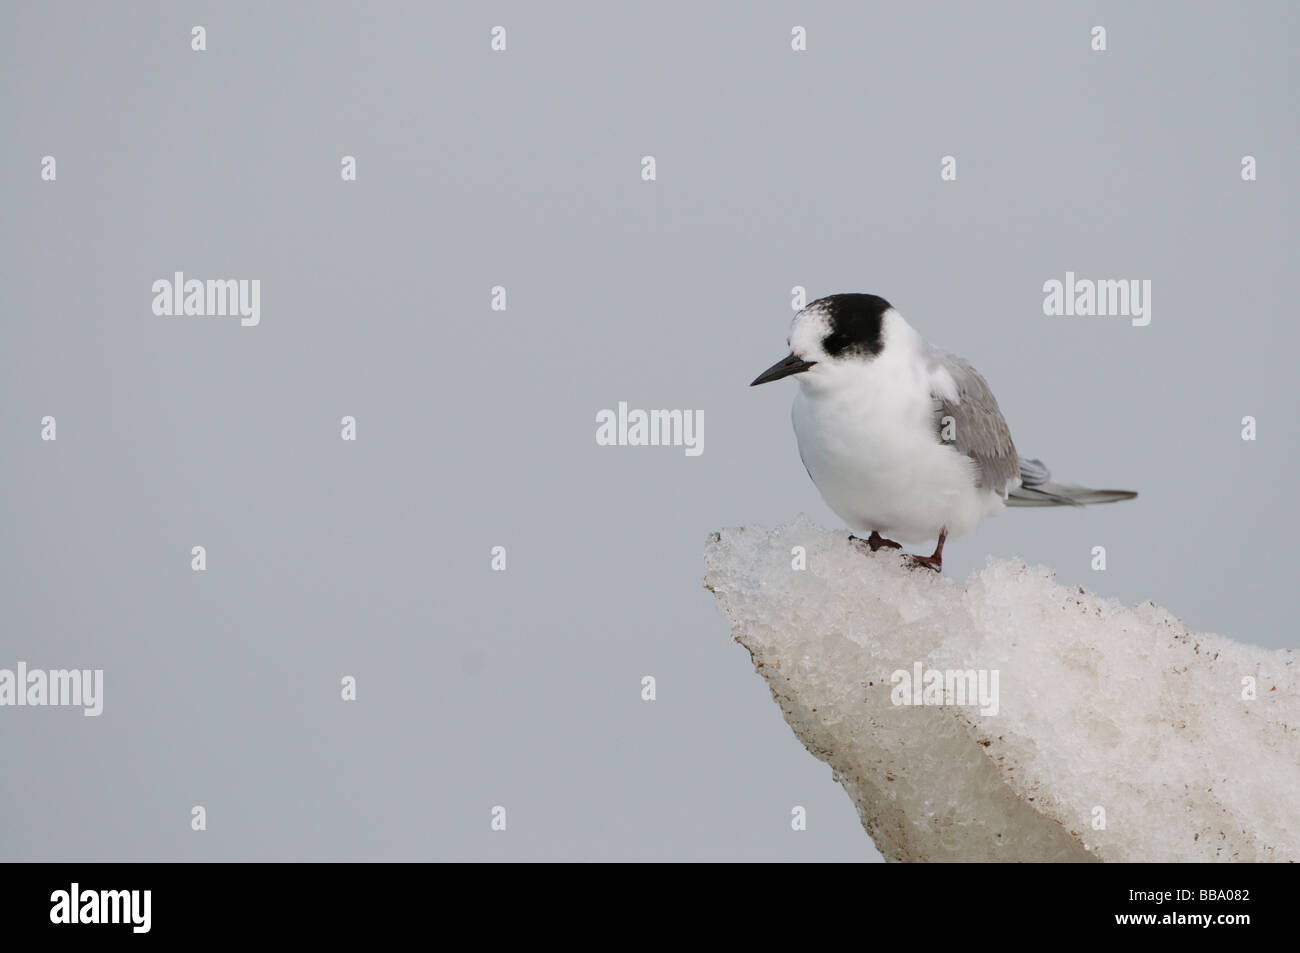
875, 542
934, 561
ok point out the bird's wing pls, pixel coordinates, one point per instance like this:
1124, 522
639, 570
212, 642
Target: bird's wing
1038, 489
1033, 472
968, 418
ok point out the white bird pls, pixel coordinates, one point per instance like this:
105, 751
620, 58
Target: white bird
903, 439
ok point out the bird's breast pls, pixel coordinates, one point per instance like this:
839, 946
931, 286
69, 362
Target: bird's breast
877, 461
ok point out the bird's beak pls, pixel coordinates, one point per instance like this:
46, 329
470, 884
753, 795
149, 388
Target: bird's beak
783, 368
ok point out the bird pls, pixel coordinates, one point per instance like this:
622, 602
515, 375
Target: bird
902, 439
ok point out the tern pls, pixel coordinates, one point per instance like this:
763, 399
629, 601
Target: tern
902, 439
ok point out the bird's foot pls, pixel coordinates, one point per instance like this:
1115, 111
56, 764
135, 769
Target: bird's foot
934, 560
927, 562
875, 542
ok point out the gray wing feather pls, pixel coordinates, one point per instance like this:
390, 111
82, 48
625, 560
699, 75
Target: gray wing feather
978, 428
1038, 489
1033, 472
980, 432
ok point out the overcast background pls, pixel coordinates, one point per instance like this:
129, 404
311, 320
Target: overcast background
476, 428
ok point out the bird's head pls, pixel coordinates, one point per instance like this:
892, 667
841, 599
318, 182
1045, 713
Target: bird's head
831, 337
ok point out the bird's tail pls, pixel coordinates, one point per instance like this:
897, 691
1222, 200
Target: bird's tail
1037, 489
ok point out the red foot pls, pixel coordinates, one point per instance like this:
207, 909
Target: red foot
876, 542
929, 562
934, 561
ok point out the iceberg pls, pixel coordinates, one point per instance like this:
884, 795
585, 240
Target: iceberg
1011, 718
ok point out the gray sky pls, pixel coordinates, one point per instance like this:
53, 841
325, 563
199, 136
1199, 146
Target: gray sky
475, 428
